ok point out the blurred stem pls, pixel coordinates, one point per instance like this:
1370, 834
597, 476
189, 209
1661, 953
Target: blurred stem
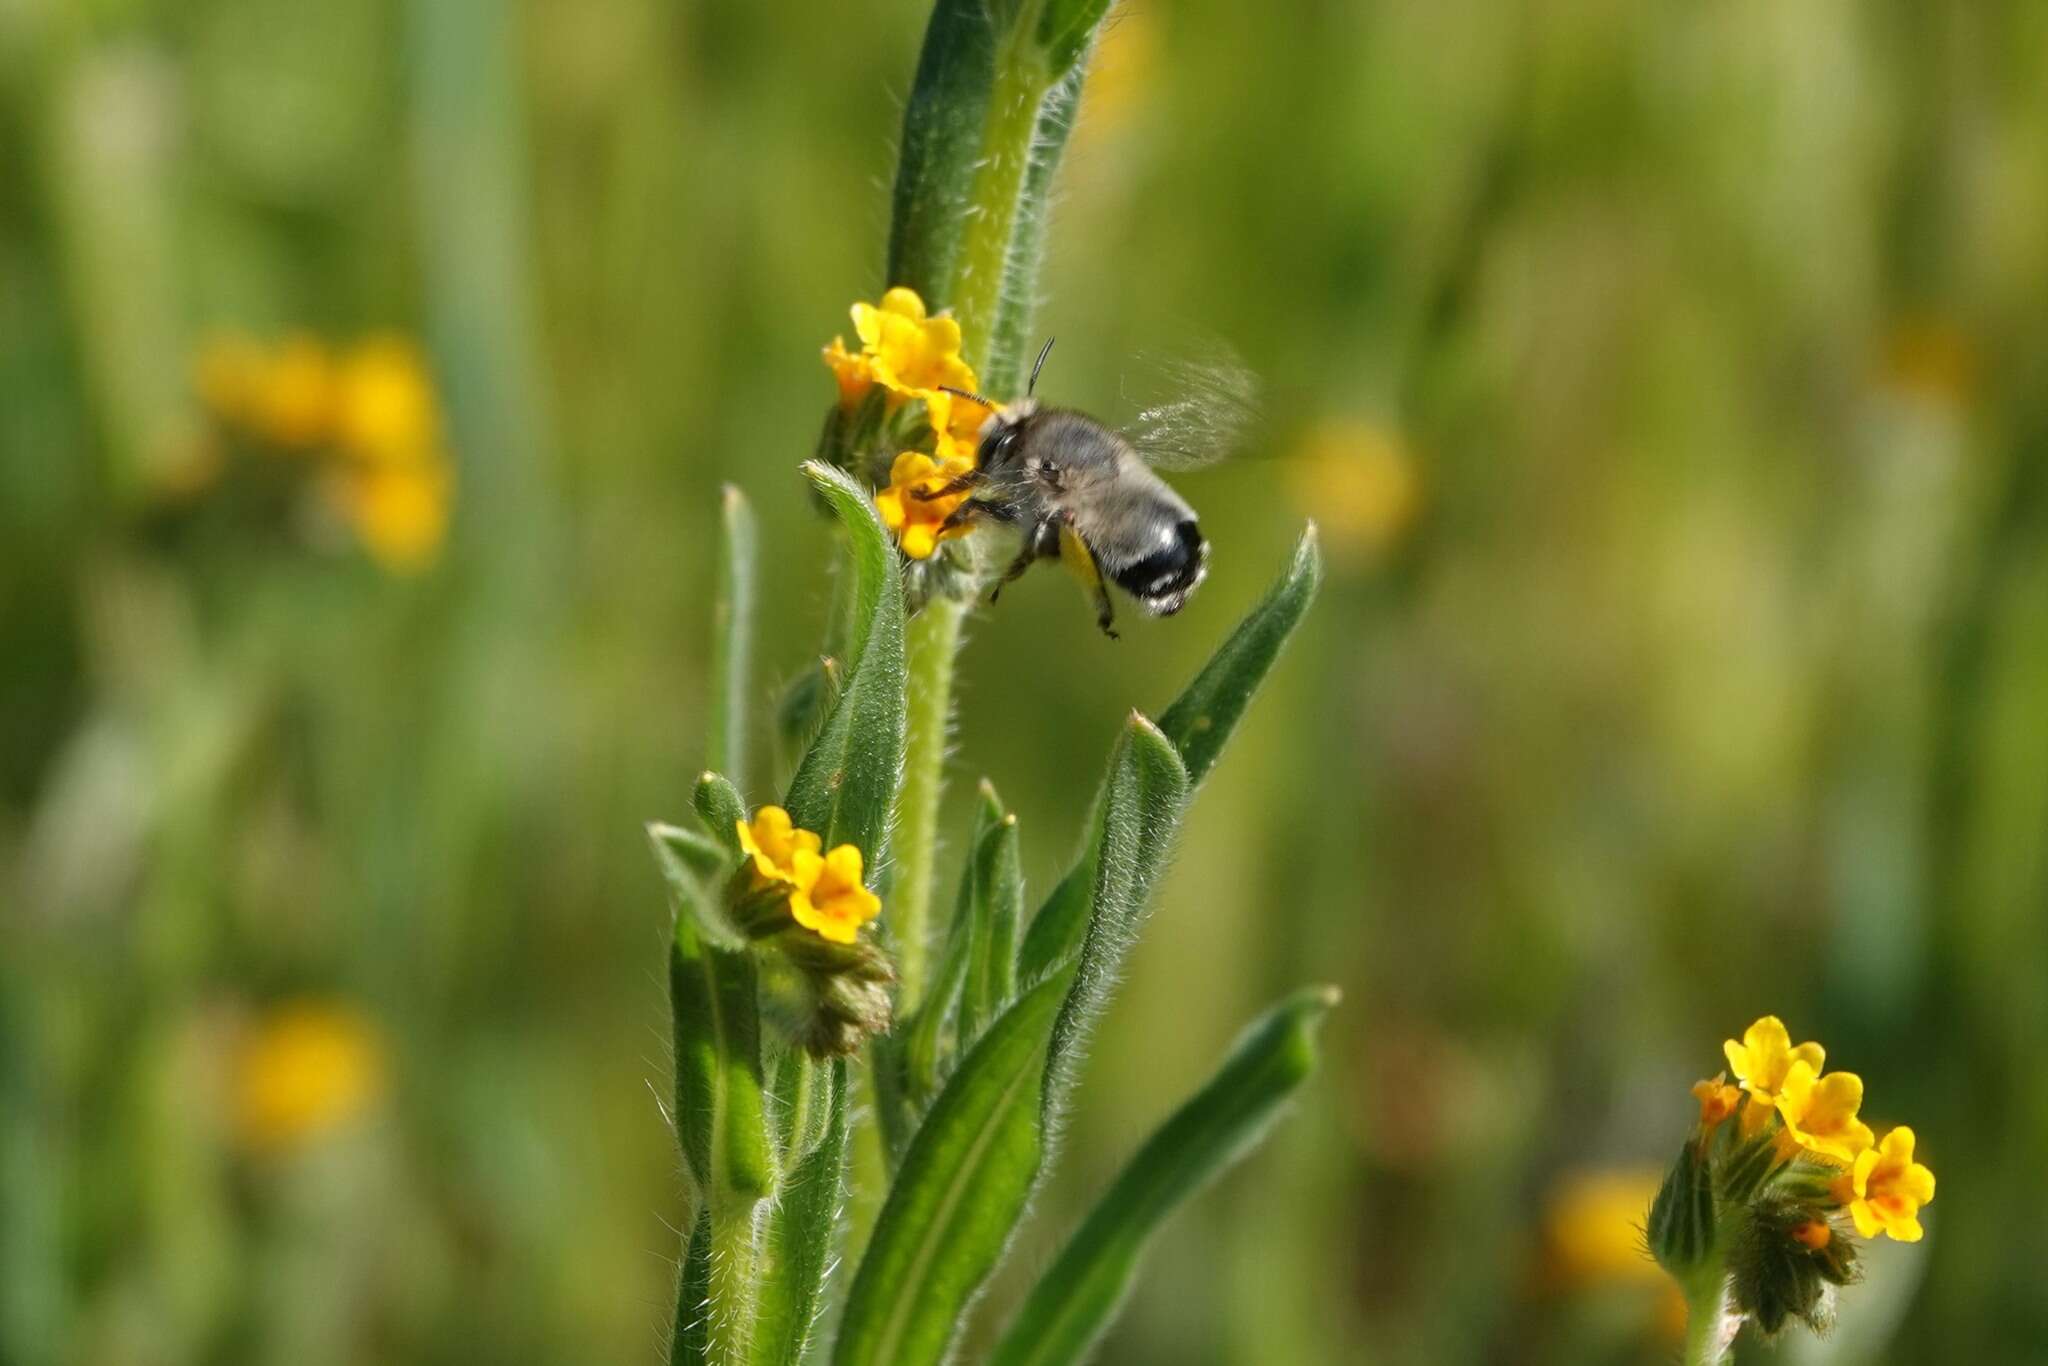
934, 640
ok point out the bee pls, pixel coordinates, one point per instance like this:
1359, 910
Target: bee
1083, 493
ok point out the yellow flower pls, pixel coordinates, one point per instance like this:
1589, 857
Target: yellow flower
773, 842
1717, 1100
400, 513
306, 1070
293, 400
1820, 1111
958, 423
852, 371
908, 352
387, 410
915, 520
1765, 1055
1889, 1188
830, 897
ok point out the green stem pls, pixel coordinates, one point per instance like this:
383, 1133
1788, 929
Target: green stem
990, 230
1706, 1315
732, 1281
934, 640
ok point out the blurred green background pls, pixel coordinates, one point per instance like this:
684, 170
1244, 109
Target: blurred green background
1671, 382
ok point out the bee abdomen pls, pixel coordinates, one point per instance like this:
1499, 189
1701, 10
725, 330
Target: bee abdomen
1162, 580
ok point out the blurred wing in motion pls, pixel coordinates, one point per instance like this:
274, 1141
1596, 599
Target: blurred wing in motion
1192, 410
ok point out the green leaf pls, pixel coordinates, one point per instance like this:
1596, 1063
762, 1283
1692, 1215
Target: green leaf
847, 779
1208, 710
732, 633
721, 1122
802, 1226
1198, 723
929, 1040
1065, 28
1142, 805
1078, 1297
942, 134
963, 1183
695, 866
970, 1170
803, 708
991, 980
719, 806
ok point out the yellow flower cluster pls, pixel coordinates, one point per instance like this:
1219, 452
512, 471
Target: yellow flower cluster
369, 413
304, 1071
1880, 1183
825, 890
912, 354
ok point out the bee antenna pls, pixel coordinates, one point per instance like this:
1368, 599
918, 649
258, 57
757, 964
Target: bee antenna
971, 398
1038, 365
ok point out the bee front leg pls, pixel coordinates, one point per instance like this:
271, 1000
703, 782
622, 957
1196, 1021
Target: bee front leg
959, 483
1027, 555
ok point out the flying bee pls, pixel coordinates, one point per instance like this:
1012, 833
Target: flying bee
1083, 493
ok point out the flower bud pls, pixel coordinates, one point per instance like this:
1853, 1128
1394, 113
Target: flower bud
1681, 1229
848, 990
1785, 1264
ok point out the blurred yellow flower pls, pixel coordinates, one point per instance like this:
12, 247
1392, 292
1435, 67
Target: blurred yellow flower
1592, 1236
1820, 1111
1765, 1055
399, 513
830, 897
1888, 1188
228, 373
1359, 482
306, 1069
772, 842
1931, 359
386, 409
292, 404
914, 520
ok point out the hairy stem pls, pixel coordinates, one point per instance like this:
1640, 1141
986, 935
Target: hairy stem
733, 1281
1709, 1328
990, 228
934, 640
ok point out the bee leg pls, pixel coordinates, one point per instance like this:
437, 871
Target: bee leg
959, 483
1105, 616
1032, 551
1079, 556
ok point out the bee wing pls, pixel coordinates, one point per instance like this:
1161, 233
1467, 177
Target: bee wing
1191, 410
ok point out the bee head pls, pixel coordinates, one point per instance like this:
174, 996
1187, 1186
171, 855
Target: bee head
1003, 431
